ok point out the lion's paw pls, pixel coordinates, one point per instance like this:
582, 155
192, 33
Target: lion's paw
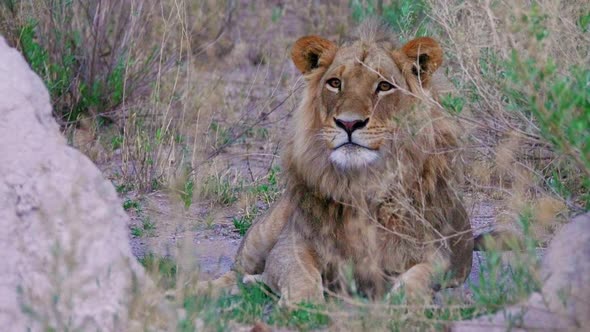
412, 291
250, 279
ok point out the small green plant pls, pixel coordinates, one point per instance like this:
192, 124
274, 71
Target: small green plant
257, 133
129, 204
268, 190
209, 220
243, 223
116, 142
155, 184
306, 317
187, 194
147, 228
124, 188
148, 225
59, 75
221, 190
163, 268
250, 304
584, 21
277, 13
221, 134
137, 231
453, 104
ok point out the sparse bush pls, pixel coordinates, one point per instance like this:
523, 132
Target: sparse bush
558, 103
88, 52
526, 90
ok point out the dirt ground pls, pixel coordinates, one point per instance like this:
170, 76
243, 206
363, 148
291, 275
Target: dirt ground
214, 246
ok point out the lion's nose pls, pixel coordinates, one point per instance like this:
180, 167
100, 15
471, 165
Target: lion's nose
350, 126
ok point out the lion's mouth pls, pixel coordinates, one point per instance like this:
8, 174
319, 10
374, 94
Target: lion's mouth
352, 145
353, 155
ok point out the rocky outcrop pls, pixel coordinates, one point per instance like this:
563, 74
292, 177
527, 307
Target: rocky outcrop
563, 303
65, 259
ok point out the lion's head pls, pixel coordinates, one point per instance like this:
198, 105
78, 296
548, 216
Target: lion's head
367, 103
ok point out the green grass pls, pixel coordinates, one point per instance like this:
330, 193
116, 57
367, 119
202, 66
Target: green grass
306, 317
267, 191
499, 285
187, 193
222, 135
254, 303
131, 204
116, 142
147, 228
148, 225
137, 231
408, 18
453, 104
123, 188
243, 223
221, 190
164, 268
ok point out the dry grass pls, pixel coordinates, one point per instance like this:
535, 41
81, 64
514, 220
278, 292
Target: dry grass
481, 37
201, 101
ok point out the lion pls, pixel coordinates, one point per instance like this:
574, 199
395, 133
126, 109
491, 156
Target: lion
370, 165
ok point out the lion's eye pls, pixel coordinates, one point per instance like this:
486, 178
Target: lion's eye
334, 83
384, 86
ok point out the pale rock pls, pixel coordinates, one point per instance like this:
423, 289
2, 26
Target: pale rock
65, 258
563, 303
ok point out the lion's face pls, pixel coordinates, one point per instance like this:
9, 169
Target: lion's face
358, 92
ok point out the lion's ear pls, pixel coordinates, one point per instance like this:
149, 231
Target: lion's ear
426, 55
307, 52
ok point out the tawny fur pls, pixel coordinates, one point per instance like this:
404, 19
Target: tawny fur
391, 223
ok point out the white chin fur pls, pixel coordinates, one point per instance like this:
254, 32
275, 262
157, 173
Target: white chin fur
353, 157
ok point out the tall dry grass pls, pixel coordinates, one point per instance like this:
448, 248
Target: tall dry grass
493, 49
91, 54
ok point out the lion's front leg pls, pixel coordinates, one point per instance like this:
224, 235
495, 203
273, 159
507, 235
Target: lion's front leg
262, 236
254, 249
292, 271
416, 282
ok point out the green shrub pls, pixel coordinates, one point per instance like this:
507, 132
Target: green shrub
559, 103
408, 18
84, 53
